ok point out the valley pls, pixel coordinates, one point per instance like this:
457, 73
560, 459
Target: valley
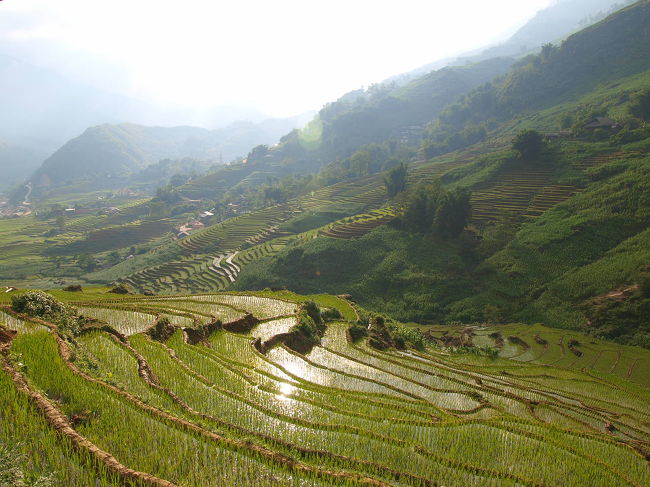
440, 279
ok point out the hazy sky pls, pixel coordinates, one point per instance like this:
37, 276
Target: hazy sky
280, 56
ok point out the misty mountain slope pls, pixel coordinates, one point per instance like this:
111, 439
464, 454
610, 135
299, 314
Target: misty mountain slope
43, 109
603, 53
356, 119
16, 164
349, 125
613, 48
386, 111
120, 150
113, 150
552, 24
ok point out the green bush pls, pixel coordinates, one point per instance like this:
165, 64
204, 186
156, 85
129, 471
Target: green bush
38, 304
309, 326
45, 306
121, 289
162, 330
312, 309
529, 144
11, 473
330, 314
357, 332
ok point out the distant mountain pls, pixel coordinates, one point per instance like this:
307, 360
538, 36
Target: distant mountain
39, 106
124, 149
41, 110
552, 24
107, 150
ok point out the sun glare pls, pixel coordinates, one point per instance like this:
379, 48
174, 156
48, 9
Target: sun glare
283, 57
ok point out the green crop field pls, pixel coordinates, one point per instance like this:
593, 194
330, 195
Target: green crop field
212, 258
114, 402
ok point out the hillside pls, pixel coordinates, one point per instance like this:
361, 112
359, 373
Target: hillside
120, 151
108, 150
553, 24
545, 237
227, 388
404, 114
605, 52
356, 120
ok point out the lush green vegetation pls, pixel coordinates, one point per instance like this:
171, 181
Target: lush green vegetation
539, 271
557, 223
435, 413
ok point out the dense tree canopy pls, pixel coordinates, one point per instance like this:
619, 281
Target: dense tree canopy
395, 180
431, 208
529, 144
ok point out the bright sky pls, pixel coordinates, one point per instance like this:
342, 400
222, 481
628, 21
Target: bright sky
280, 56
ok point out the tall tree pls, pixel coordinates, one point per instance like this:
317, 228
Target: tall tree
529, 143
452, 212
395, 180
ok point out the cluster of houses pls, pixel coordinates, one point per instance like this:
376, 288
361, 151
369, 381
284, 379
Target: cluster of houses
8, 210
196, 224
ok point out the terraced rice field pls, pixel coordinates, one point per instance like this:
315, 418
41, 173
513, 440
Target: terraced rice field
600, 159
358, 225
428, 172
214, 256
526, 194
549, 347
519, 194
234, 232
222, 413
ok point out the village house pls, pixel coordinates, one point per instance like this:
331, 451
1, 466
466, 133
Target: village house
562, 134
602, 123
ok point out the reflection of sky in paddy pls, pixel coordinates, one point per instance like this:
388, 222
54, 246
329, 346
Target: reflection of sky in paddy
271, 328
327, 378
335, 336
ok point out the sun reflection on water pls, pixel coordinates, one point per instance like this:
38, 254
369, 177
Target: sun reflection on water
286, 389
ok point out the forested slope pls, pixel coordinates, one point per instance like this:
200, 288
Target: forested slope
550, 237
